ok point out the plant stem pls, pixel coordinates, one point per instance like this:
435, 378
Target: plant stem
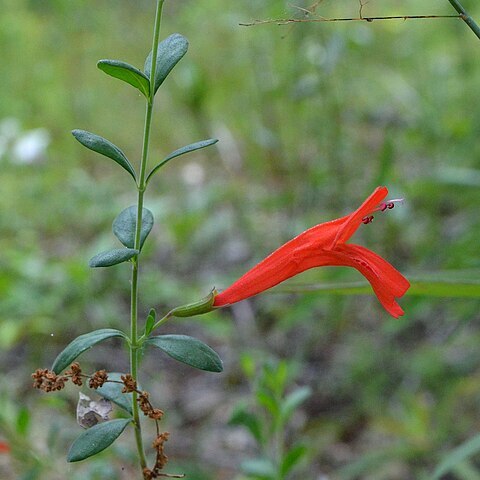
134, 363
134, 357
466, 17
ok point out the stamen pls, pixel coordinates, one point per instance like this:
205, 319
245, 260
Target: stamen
389, 204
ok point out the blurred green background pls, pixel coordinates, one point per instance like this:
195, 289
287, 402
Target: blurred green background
310, 118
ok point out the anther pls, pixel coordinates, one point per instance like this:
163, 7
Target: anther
388, 205
367, 220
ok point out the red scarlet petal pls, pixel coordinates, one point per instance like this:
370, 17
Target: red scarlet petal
283, 263
277, 267
4, 447
387, 282
355, 219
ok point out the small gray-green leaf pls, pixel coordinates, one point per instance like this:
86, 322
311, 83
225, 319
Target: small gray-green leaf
80, 344
104, 147
188, 350
96, 439
293, 401
112, 257
170, 52
291, 459
113, 391
150, 322
124, 226
182, 151
127, 73
269, 402
261, 468
241, 417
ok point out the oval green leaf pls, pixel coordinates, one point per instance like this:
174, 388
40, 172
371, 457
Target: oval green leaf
80, 344
124, 226
242, 417
150, 322
112, 257
127, 73
261, 468
188, 350
293, 401
96, 439
113, 391
291, 459
104, 147
182, 151
170, 52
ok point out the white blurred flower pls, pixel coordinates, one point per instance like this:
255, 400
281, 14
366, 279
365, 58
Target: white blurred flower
31, 147
193, 174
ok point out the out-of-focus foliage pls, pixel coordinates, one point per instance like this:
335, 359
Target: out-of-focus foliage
310, 118
267, 418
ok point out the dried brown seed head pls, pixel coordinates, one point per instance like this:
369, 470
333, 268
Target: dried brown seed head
48, 381
130, 384
98, 379
75, 373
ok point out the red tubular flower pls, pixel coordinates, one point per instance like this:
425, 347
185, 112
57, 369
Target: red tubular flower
4, 447
324, 245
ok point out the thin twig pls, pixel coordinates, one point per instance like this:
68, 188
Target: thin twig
286, 21
360, 11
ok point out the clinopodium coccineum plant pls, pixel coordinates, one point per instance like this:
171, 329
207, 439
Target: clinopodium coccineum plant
322, 245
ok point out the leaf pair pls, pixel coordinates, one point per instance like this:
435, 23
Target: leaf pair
182, 348
124, 228
282, 411
170, 52
101, 145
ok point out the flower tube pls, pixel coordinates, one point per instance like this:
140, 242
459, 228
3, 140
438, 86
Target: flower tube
325, 245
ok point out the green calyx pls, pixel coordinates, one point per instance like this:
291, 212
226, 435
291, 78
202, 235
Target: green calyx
204, 305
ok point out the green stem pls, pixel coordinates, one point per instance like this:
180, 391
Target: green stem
134, 346
162, 320
466, 17
134, 363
